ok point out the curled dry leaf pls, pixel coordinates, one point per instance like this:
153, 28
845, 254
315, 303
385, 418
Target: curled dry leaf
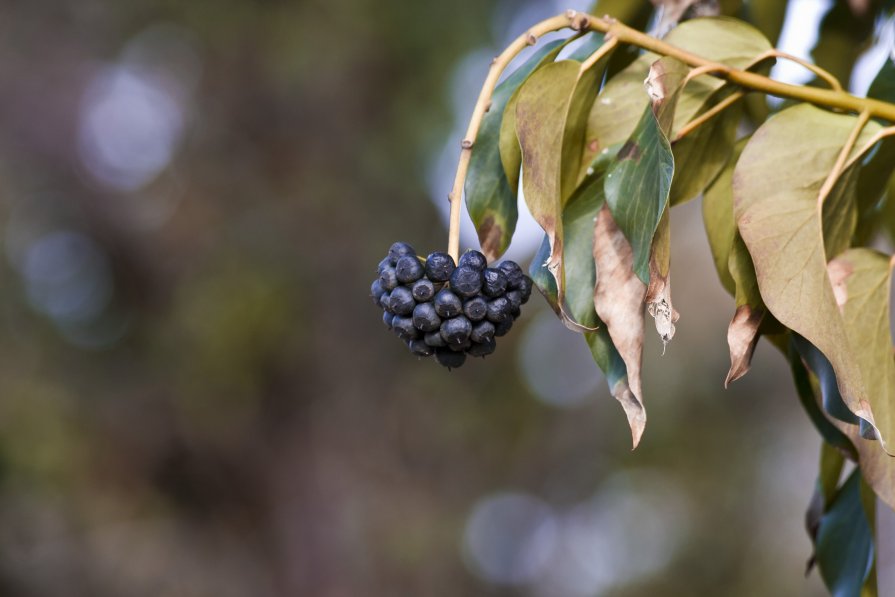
658, 293
618, 300
742, 337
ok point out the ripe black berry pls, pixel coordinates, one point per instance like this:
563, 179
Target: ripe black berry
456, 330
401, 301
494, 282
460, 347
423, 290
449, 358
376, 290
403, 326
482, 332
434, 339
513, 273
473, 259
386, 262
387, 319
503, 327
498, 309
408, 269
515, 298
447, 304
420, 348
388, 278
482, 349
425, 319
525, 288
439, 267
475, 308
466, 282
398, 250
385, 301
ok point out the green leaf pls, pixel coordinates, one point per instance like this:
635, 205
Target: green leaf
550, 113
844, 543
637, 187
615, 114
578, 224
717, 214
490, 195
829, 472
831, 399
776, 205
861, 280
811, 402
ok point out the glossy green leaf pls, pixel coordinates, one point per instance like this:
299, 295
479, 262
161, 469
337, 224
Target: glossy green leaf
844, 543
776, 205
831, 434
829, 472
617, 110
490, 195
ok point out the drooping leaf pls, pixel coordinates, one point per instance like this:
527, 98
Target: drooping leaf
742, 338
578, 224
831, 398
861, 280
638, 182
550, 113
615, 114
777, 182
828, 475
812, 403
844, 548
490, 191
618, 298
508, 142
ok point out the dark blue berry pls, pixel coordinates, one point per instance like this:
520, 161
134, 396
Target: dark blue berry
475, 308
403, 326
447, 304
388, 278
376, 290
525, 288
420, 348
482, 349
423, 290
425, 318
387, 319
398, 250
515, 298
494, 282
482, 332
456, 330
498, 309
466, 282
408, 269
449, 358
513, 273
386, 262
385, 301
461, 347
473, 259
503, 327
434, 339
439, 267
401, 301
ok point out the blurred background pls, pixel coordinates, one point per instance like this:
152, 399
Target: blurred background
197, 397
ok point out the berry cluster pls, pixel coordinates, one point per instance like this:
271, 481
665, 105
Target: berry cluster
445, 309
